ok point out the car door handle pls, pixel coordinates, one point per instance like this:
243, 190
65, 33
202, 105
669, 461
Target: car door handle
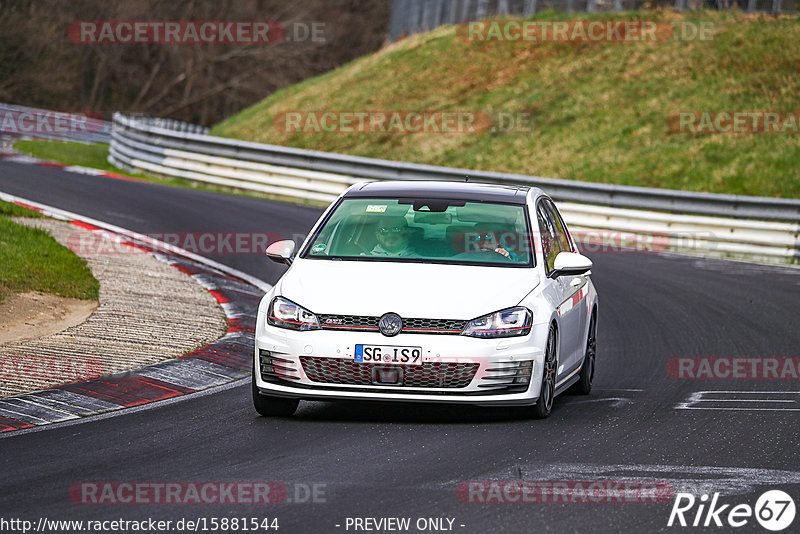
576, 282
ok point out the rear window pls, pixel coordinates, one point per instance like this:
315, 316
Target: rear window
424, 230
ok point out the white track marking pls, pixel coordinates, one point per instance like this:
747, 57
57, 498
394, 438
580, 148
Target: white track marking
691, 479
704, 400
616, 402
742, 409
159, 245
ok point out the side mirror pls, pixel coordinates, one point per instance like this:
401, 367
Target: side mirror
570, 264
281, 251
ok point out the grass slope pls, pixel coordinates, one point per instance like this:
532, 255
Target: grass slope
599, 110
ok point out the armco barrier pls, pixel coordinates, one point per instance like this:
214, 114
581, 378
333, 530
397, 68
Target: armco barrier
704, 223
26, 122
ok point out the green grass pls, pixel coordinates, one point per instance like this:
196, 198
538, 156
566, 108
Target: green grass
68, 153
12, 210
93, 155
31, 260
599, 110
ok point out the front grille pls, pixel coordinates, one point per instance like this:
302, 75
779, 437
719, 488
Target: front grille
433, 326
427, 375
410, 326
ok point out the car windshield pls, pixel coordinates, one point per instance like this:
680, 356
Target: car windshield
424, 230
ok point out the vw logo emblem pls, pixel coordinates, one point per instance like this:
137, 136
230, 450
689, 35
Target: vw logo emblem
390, 324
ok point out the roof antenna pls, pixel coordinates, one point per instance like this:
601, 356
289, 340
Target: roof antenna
466, 178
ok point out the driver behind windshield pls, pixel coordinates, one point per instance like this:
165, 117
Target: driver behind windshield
392, 237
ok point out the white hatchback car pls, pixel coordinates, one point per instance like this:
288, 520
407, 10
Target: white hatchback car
429, 292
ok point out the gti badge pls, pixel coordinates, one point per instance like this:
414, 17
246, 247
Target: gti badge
390, 324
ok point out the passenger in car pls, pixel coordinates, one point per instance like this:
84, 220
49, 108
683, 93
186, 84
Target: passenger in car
487, 241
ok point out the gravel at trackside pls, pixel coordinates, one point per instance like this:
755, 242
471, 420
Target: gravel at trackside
148, 312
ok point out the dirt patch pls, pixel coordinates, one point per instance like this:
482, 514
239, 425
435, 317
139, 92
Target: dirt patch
32, 315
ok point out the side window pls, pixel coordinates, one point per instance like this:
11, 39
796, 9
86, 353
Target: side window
564, 242
550, 243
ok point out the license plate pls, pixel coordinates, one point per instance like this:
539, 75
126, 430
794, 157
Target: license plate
388, 354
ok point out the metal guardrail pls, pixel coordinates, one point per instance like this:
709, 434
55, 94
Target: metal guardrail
700, 222
163, 142
602, 228
172, 124
144, 145
21, 121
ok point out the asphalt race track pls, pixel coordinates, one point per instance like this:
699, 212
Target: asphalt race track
379, 460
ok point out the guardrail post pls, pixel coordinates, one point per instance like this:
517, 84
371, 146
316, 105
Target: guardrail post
483, 9
529, 8
797, 244
439, 14
426, 16
465, 10
452, 8
398, 21
415, 19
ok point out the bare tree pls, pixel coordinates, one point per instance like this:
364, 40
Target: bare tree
202, 83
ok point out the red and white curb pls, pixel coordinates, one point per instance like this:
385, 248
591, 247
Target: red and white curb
226, 360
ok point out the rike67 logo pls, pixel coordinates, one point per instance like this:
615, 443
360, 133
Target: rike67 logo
774, 510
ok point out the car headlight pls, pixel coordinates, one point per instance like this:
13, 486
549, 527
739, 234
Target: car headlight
284, 313
505, 323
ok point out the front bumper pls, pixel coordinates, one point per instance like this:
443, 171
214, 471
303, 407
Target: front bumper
320, 365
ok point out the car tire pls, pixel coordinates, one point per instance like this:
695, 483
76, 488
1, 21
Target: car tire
544, 404
584, 385
268, 406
